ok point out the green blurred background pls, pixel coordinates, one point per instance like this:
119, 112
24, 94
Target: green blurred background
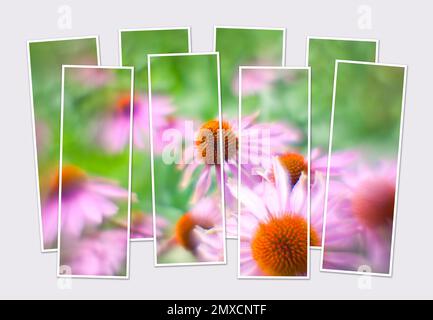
368, 108
135, 46
322, 54
192, 84
247, 47
285, 101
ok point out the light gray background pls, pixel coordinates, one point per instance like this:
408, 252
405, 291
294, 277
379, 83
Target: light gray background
404, 30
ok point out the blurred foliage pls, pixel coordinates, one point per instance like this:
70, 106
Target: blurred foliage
368, 108
246, 47
190, 81
46, 60
135, 46
284, 101
321, 58
85, 109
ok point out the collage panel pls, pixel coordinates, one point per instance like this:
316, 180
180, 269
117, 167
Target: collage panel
188, 191
45, 58
274, 194
135, 46
361, 202
93, 183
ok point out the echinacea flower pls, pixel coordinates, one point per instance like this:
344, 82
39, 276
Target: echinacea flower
367, 196
198, 230
259, 142
295, 163
115, 129
274, 227
99, 254
86, 201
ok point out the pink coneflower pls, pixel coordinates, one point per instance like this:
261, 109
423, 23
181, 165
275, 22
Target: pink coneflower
198, 230
100, 254
366, 196
86, 201
259, 142
115, 131
273, 230
274, 227
295, 163
206, 214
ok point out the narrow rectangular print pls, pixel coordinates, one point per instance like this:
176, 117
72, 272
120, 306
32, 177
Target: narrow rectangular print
237, 47
135, 45
361, 202
274, 224
94, 192
188, 208
321, 56
46, 58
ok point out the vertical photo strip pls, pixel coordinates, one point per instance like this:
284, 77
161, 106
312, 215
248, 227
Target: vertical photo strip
273, 187
94, 183
45, 60
135, 46
243, 46
187, 157
322, 54
361, 202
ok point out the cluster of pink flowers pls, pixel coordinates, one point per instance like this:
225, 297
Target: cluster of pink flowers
277, 221
86, 204
93, 238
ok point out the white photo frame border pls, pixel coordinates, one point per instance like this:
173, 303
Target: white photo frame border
403, 100
126, 276
239, 182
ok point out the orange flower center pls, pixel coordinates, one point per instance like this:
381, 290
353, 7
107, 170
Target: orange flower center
295, 164
184, 227
207, 142
123, 104
373, 203
279, 246
72, 177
